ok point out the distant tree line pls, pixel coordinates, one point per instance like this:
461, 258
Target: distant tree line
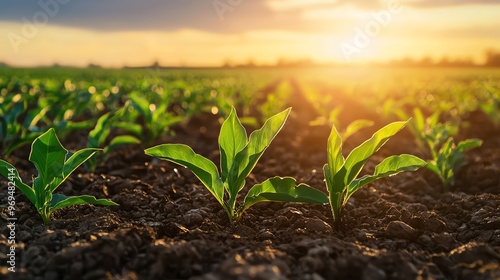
492, 60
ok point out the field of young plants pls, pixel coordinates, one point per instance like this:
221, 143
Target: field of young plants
259, 173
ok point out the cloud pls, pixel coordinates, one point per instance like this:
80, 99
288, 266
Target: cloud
115, 15
170, 15
157, 15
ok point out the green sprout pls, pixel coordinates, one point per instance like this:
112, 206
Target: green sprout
437, 137
155, 117
341, 173
18, 125
239, 155
450, 158
54, 165
98, 136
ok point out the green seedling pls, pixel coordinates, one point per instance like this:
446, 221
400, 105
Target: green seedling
98, 136
239, 155
450, 158
491, 104
429, 132
62, 111
341, 173
437, 137
54, 164
18, 125
155, 117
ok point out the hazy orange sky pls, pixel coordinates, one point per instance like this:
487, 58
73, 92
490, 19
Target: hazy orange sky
114, 33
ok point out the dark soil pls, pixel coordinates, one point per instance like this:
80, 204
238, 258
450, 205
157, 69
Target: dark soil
168, 226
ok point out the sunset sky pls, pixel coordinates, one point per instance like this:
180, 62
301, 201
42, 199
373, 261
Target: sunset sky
114, 33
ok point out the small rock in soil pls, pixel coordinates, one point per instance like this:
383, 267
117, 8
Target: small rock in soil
435, 224
291, 213
313, 224
193, 220
265, 235
444, 241
473, 252
398, 229
282, 222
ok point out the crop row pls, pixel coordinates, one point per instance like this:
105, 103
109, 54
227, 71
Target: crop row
130, 107
239, 155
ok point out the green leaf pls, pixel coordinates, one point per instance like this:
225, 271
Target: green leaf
232, 139
334, 150
447, 148
121, 140
142, 105
72, 164
98, 135
419, 120
133, 128
468, 144
5, 170
48, 155
357, 158
202, 167
59, 201
34, 116
66, 126
283, 190
260, 139
388, 167
356, 126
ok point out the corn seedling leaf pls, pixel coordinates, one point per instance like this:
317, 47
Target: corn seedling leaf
48, 155
354, 127
357, 158
202, 167
388, 167
5, 170
232, 139
70, 165
59, 201
121, 140
284, 190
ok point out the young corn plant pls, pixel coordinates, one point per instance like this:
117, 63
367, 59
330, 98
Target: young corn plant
429, 132
54, 165
98, 136
239, 155
155, 116
437, 137
18, 125
450, 158
341, 174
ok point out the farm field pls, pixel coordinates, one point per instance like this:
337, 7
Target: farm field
168, 225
